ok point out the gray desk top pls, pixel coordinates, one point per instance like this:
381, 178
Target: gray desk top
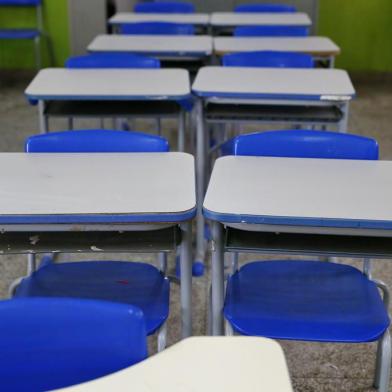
114, 84
312, 45
253, 19
301, 192
96, 188
153, 44
131, 17
273, 83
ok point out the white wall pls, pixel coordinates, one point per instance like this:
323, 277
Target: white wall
124, 5
87, 19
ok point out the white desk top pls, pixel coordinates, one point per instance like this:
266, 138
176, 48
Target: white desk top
308, 192
204, 364
312, 45
273, 83
231, 19
126, 187
131, 17
168, 45
114, 84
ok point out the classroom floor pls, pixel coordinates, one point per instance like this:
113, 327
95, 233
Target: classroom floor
313, 366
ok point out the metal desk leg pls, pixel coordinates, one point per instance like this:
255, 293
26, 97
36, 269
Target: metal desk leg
331, 61
181, 131
43, 120
70, 123
217, 278
200, 179
186, 279
31, 263
343, 123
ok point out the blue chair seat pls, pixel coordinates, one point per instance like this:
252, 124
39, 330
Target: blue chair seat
264, 7
165, 7
19, 33
305, 300
157, 28
138, 284
271, 31
22, 3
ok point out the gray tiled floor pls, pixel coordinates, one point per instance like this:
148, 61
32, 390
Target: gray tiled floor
313, 366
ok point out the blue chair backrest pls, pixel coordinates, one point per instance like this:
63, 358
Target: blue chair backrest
303, 144
112, 60
21, 3
51, 343
272, 59
271, 31
264, 7
165, 7
157, 28
96, 141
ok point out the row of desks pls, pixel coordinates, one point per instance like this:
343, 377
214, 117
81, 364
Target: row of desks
201, 46
73, 206
260, 86
216, 19
223, 94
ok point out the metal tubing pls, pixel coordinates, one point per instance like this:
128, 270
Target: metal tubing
31, 263
162, 261
383, 363
217, 278
162, 337
343, 123
367, 268
70, 123
234, 262
159, 126
200, 179
181, 131
331, 61
43, 120
186, 278
228, 329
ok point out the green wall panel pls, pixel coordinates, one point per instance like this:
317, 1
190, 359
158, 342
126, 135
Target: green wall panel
363, 30
20, 54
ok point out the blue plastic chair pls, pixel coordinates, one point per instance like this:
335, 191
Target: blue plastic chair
33, 34
137, 284
157, 28
112, 60
272, 59
271, 31
51, 343
265, 7
303, 144
20, 3
308, 300
164, 7
96, 141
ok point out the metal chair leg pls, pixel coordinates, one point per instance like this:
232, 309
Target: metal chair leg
383, 363
70, 121
209, 311
234, 262
162, 337
229, 331
162, 262
31, 263
159, 126
13, 286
